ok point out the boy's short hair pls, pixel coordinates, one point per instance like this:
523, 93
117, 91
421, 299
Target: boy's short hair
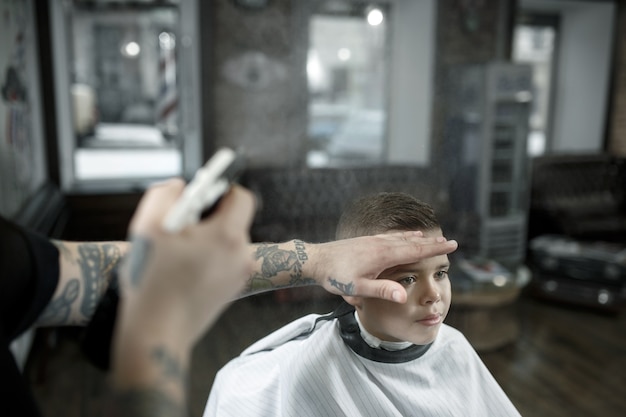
384, 212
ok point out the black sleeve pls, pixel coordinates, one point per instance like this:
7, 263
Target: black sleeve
29, 274
16, 396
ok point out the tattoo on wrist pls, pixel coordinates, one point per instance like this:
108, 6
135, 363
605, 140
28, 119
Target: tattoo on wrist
171, 370
97, 263
301, 251
141, 248
276, 261
79, 299
346, 289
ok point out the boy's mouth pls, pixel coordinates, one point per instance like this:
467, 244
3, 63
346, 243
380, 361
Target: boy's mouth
430, 320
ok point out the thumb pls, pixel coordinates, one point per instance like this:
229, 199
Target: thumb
381, 288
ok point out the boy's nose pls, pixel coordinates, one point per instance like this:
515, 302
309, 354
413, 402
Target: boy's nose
430, 293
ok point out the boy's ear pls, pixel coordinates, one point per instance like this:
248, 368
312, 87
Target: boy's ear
354, 301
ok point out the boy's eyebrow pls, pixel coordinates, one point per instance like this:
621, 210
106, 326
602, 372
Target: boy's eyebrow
409, 268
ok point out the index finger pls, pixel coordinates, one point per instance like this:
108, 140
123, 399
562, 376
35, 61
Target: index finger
414, 248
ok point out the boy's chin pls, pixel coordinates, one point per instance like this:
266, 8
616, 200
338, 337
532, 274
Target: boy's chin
425, 339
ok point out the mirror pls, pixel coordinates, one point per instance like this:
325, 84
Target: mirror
347, 85
124, 80
124, 88
126, 77
535, 43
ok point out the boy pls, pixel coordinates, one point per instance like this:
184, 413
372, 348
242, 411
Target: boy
370, 357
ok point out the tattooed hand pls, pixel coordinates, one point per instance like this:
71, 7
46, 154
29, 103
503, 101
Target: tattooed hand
174, 285
351, 266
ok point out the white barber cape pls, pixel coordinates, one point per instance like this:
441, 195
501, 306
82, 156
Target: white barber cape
320, 366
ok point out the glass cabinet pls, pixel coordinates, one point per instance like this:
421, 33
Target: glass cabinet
488, 125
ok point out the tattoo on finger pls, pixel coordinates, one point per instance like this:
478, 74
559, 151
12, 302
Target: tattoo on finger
346, 289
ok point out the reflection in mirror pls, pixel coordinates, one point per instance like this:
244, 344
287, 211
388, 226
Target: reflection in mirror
124, 95
346, 72
534, 43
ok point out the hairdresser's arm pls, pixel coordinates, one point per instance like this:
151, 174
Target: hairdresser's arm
174, 286
85, 270
345, 267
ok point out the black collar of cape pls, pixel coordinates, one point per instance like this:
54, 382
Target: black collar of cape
351, 335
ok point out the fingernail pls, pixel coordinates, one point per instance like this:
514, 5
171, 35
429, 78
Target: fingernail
441, 239
395, 296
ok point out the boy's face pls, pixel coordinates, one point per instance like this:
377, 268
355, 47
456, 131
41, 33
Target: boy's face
420, 318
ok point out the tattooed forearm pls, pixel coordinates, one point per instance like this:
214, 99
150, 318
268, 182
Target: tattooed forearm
85, 270
156, 398
346, 289
97, 262
59, 308
279, 267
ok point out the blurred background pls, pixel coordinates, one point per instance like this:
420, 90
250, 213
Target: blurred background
508, 116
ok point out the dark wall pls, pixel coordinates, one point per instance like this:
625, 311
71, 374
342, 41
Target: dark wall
100, 216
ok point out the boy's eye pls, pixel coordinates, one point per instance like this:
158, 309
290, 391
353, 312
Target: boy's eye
441, 275
407, 280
